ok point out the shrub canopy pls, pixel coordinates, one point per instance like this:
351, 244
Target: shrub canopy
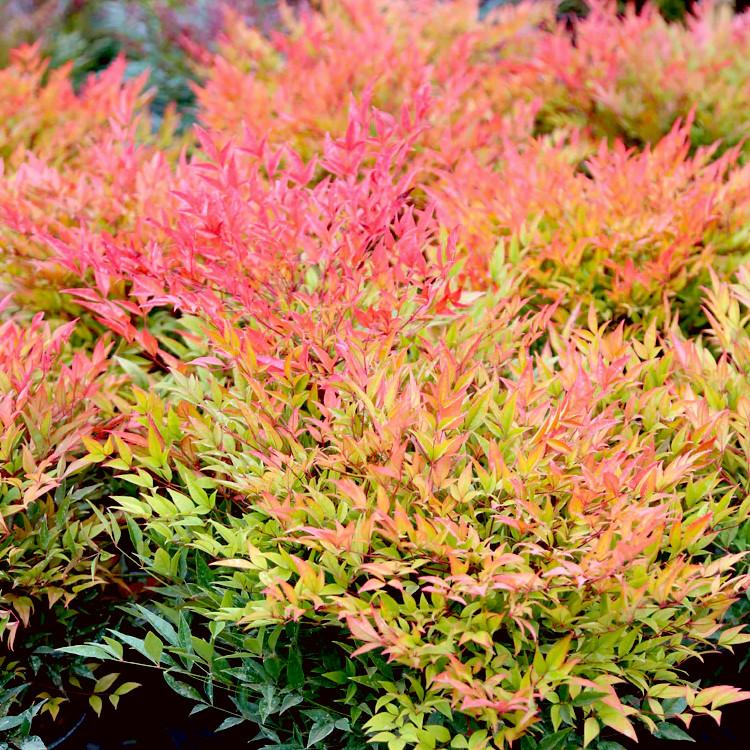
405, 403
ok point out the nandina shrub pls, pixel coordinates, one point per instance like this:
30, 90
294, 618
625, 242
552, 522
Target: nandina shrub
635, 232
57, 557
42, 113
630, 77
73, 160
412, 409
525, 535
289, 87
577, 220
151, 34
625, 229
714, 367
481, 497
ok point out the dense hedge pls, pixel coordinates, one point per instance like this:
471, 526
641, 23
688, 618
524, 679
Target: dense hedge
161, 35
402, 403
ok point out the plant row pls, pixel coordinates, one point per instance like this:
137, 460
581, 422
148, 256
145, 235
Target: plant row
402, 403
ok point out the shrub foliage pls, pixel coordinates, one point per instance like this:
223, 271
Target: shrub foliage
402, 403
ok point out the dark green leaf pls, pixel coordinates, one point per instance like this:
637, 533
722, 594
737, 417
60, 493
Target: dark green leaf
161, 626
554, 741
587, 697
11, 722
294, 674
232, 721
666, 731
184, 636
319, 732
182, 688
290, 700
89, 651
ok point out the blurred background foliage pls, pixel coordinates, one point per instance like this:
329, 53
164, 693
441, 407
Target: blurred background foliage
151, 34
158, 34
